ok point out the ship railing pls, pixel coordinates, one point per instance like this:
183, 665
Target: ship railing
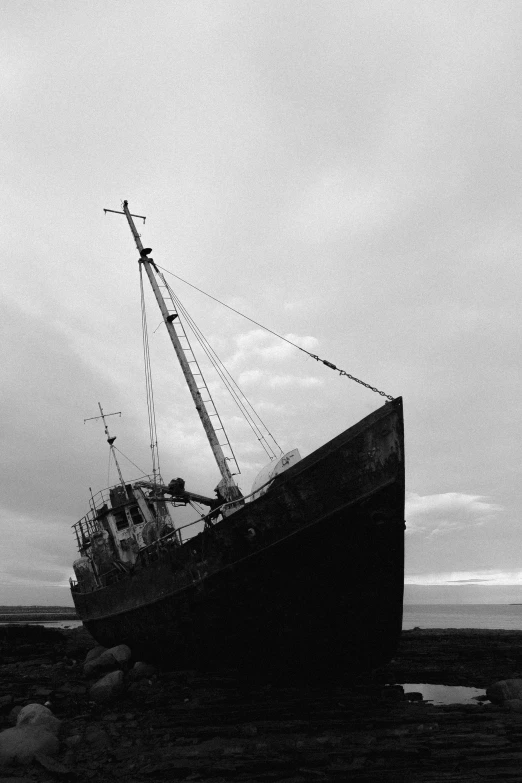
207, 521
89, 523
102, 497
174, 536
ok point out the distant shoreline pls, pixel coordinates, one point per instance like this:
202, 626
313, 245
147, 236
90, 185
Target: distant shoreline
33, 614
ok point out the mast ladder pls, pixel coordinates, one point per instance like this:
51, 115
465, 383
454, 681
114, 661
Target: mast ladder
197, 374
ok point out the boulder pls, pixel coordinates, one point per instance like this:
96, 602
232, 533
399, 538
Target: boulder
121, 653
13, 715
515, 705
114, 658
107, 688
38, 715
142, 670
22, 743
504, 690
94, 653
94, 668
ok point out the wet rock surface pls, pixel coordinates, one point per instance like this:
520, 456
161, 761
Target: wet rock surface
224, 726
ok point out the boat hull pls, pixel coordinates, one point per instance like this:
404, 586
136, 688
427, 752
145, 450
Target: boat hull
310, 574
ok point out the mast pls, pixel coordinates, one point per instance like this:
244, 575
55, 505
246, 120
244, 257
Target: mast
228, 487
110, 441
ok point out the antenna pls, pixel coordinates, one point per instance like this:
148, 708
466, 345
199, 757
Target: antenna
110, 438
116, 212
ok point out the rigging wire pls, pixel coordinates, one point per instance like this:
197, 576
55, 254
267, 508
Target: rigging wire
131, 462
237, 394
151, 411
245, 407
280, 336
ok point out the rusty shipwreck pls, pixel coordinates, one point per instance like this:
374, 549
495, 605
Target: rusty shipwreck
307, 570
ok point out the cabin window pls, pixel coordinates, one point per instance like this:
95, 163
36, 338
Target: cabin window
135, 515
121, 519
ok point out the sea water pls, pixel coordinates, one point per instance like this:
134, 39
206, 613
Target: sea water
446, 694
493, 616
50, 624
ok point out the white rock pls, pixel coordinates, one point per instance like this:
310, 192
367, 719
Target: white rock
21, 743
108, 687
38, 715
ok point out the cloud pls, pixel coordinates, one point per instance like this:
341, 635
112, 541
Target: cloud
294, 380
337, 202
484, 576
262, 349
448, 511
294, 305
249, 377
255, 377
38, 555
12, 580
259, 344
330, 165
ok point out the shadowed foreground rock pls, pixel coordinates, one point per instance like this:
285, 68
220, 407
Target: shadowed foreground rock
108, 688
221, 727
35, 734
99, 659
505, 690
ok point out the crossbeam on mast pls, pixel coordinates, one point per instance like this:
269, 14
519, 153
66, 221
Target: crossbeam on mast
117, 212
110, 439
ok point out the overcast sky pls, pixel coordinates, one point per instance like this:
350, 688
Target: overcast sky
347, 173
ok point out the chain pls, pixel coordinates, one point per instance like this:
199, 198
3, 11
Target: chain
351, 377
280, 336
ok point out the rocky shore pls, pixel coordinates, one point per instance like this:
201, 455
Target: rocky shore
153, 724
